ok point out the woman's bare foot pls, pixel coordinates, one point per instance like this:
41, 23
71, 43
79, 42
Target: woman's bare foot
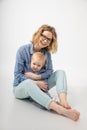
70, 113
65, 104
63, 100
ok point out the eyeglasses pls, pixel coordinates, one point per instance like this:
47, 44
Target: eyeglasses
49, 40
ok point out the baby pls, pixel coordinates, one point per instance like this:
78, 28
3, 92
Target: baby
38, 61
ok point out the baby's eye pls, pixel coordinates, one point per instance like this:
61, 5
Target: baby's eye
34, 64
38, 65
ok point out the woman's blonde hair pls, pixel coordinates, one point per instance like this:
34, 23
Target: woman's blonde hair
53, 45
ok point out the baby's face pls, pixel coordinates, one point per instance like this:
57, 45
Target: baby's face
36, 65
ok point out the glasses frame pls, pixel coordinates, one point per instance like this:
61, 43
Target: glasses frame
49, 40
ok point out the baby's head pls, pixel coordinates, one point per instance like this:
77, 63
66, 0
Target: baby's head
38, 60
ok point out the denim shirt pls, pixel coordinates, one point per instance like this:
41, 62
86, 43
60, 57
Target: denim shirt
22, 64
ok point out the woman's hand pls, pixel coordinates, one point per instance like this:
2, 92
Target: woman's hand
42, 85
32, 76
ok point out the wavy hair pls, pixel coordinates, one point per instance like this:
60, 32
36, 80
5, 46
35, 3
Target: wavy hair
53, 45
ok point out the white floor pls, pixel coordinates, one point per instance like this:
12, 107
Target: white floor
23, 115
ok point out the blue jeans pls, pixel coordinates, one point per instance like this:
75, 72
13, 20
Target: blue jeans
28, 89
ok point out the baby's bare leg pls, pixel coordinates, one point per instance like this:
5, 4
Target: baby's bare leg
63, 100
70, 113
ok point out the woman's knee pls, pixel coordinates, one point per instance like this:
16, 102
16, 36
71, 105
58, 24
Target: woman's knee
21, 91
60, 72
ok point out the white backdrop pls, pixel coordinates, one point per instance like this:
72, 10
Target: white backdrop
19, 19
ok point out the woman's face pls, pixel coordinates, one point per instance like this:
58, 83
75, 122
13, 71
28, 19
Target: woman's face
45, 39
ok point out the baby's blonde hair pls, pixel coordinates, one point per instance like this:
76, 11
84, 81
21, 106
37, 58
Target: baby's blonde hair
40, 57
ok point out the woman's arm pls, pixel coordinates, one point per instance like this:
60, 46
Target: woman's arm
33, 76
19, 67
36, 78
48, 67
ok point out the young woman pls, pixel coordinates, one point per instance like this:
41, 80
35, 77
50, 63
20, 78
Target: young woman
27, 84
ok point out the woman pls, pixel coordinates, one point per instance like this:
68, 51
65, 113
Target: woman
30, 85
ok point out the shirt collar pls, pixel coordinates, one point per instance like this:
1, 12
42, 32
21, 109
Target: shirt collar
31, 48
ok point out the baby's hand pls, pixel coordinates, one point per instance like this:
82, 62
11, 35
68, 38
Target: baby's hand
42, 85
